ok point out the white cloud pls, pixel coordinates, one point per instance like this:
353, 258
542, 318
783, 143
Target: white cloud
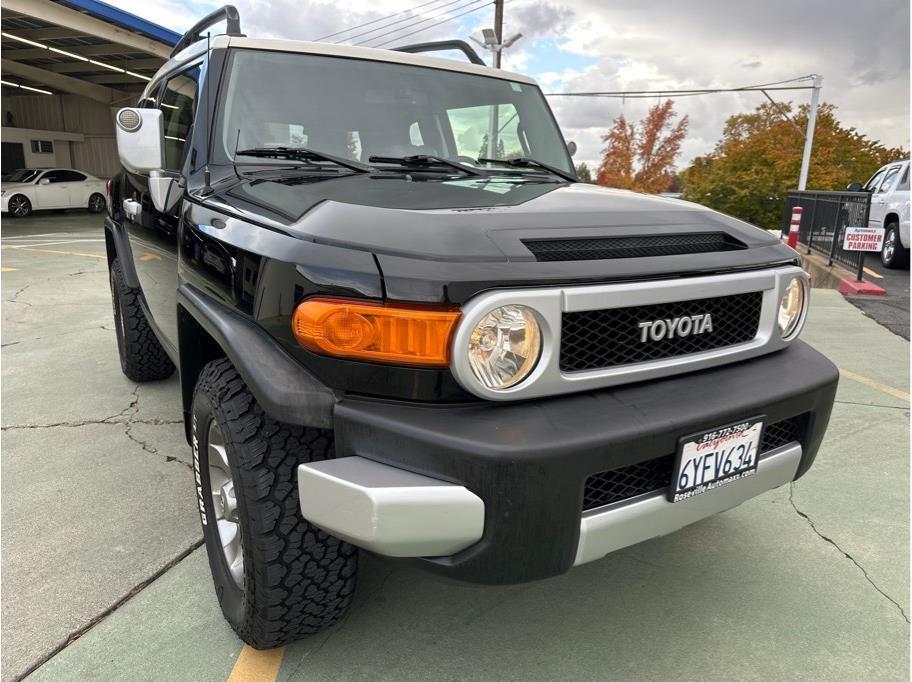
862, 50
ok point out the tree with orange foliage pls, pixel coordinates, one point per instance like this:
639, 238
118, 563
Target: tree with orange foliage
642, 157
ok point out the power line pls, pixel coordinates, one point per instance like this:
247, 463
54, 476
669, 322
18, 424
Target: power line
399, 21
483, 4
370, 23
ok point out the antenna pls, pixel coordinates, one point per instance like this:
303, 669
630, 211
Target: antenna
207, 176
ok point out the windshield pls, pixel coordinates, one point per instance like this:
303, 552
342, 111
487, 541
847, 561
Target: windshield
22, 175
356, 109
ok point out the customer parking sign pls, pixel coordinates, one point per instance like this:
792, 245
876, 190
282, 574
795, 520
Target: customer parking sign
863, 239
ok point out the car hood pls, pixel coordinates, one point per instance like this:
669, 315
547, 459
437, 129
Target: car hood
15, 185
472, 219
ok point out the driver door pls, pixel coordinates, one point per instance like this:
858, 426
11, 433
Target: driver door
51, 190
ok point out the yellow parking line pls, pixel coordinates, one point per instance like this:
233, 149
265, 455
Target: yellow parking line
63, 253
257, 666
8, 269
870, 272
876, 385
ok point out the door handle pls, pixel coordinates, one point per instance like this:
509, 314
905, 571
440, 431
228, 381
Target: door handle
132, 208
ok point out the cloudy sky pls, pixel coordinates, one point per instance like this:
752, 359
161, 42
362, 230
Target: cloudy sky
860, 48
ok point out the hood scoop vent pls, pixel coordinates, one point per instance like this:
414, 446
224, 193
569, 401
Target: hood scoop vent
608, 248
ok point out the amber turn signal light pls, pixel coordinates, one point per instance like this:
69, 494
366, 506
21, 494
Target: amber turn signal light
399, 334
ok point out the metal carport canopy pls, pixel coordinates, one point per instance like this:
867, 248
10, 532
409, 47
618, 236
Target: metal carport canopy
82, 47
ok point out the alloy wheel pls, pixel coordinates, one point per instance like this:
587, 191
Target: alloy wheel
224, 503
889, 246
19, 206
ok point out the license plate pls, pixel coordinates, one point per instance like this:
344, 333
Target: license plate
715, 458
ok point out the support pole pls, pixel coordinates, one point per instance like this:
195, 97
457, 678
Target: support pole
809, 135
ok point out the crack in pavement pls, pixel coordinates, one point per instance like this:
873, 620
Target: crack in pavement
17, 294
128, 431
848, 556
76, 634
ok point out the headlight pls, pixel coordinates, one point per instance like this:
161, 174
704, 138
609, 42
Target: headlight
504, 346
791, 308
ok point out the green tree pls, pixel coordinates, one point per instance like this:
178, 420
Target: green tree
758, 160
584, 173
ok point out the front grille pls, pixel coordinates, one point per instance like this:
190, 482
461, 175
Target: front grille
655, 474
606, 248
597, 339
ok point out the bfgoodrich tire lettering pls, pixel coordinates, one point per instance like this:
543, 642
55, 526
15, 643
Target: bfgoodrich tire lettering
142, 357
297, 579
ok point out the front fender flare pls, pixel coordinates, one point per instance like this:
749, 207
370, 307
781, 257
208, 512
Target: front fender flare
283, 388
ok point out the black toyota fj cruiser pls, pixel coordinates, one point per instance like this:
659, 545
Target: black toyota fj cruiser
401, 325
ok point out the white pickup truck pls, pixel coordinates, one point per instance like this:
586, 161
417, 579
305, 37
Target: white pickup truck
889, 188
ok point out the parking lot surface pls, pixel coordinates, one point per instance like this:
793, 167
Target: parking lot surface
104, 577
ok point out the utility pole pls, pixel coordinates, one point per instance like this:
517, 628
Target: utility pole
809, 135
498, 31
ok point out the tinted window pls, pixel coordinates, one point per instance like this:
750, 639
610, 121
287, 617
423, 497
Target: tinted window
178, 104
63, 176
53, 176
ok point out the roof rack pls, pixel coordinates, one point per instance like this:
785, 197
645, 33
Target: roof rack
229, 13
441, 45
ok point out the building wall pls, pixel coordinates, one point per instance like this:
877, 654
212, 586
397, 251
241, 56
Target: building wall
93, 121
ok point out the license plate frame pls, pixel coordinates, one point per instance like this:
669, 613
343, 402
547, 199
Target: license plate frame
756, 425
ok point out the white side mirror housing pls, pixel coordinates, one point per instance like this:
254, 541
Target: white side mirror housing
140, 139
44, 181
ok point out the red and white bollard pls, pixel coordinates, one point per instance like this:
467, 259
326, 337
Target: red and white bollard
795, 227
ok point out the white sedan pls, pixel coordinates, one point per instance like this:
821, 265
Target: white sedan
29, 190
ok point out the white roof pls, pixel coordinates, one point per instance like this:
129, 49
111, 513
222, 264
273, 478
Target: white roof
333, 50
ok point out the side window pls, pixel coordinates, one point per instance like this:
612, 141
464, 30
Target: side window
415, 135
178, 105
472, 126
54, 176
70, 176
889, 179
904, 183
873, 183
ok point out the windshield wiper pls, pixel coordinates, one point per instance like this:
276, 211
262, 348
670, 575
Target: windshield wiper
526, 162
304, 154
424, 161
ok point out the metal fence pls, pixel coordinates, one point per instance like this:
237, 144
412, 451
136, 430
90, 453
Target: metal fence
824, 220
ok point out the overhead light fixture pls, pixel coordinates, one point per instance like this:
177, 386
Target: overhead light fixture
25, 87
72, 55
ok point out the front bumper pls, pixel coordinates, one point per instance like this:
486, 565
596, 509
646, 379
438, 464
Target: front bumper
4, 203
527, 464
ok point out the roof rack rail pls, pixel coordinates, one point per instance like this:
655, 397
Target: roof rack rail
441, 45
229, 13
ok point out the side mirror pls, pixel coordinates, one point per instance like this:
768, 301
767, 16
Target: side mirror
571, 147
140, 139
44, 181
855, 187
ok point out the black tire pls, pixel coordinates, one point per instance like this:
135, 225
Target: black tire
19, 206
142, 357
297, 579
97, 203
893, 255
